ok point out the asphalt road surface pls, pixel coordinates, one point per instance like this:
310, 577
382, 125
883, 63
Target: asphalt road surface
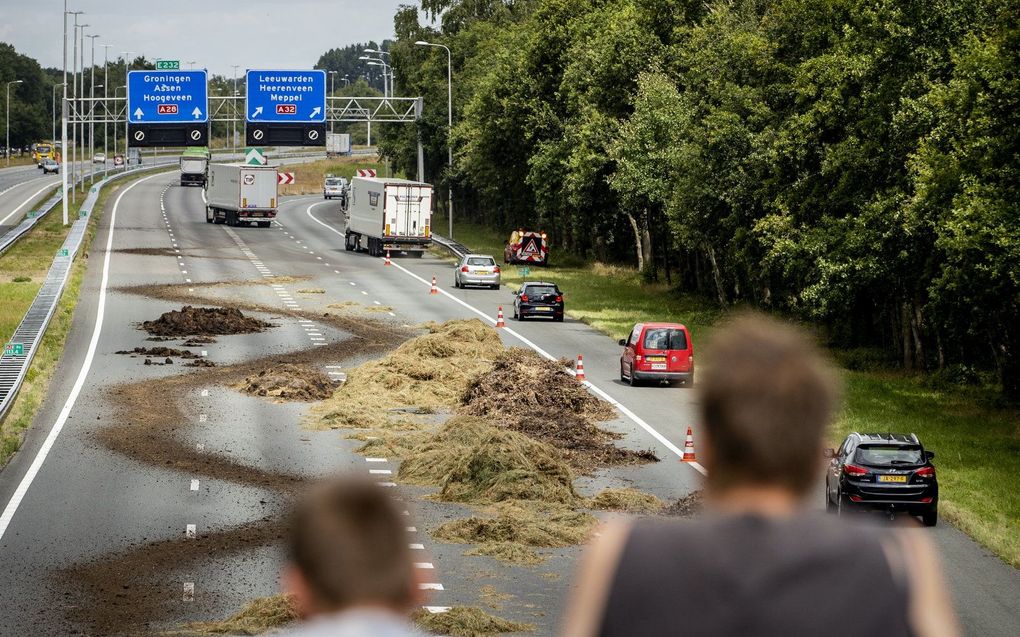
152, 469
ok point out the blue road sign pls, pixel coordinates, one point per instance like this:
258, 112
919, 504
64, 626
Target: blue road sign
167, 97
277, 97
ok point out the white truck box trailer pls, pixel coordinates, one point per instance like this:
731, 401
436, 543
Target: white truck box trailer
338, 144
389, 215
240, 194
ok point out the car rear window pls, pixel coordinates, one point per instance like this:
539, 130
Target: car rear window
665, 338
539, 291
481, 261
888, 455
334, 182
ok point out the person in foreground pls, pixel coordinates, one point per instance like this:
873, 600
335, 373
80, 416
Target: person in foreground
761, 561
350, 572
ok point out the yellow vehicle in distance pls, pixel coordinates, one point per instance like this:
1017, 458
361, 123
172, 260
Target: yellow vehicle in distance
43, 151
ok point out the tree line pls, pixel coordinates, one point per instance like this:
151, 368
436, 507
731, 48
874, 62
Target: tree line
850, 162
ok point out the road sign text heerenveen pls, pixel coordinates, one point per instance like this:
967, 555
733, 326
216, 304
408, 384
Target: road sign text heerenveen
285, 107
168, 108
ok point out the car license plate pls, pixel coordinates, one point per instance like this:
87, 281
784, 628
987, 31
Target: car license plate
892, 478
543, 309
482, 272
656, 359
658, 365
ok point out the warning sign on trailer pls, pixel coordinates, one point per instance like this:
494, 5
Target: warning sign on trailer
531, 249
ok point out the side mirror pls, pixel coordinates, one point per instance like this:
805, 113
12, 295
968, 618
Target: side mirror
929, 455
622, 342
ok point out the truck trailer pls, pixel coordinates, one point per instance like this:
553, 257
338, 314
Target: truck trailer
388, 215
338, 144
194, 162
240, 194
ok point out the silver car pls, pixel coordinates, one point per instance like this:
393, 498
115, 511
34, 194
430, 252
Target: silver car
476, 269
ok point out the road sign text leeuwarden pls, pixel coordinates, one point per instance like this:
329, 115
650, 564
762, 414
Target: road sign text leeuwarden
286, 96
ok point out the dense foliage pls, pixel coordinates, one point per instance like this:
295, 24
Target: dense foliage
30, 106
852, 162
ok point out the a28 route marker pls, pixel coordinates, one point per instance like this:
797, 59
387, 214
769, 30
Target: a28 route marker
14, 349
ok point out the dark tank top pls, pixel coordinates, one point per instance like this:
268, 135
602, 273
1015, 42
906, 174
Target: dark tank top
743, 576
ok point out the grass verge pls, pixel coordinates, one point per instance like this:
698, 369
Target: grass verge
35, 253
308, 177
977, 442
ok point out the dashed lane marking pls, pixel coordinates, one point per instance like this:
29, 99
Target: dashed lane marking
194, 484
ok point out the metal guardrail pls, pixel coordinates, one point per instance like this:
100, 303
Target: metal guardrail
14, 365
458, 249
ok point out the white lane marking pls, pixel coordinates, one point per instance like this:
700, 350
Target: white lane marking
189, 591
26, 202
190, 531
79, 383
377, 302
205, 392
541, 352
380, 472
412, 529
364, 292
194, 484
431, 586
391, 313
376, 460
424, 565
202, 418
387, 484
435, 610
416, 547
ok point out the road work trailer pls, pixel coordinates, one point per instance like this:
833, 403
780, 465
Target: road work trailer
239, 194
389, 215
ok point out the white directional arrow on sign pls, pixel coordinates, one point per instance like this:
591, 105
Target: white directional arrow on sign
197, 112
316, 111
138, 113
258, 111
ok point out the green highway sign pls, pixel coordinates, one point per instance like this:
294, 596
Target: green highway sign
32, 214
62, 253
14, 349
168, 65
82, 214
254, 157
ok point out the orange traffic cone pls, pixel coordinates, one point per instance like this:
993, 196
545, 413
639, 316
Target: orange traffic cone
689, 455
434, 289
387, 262
579, 375
499, 318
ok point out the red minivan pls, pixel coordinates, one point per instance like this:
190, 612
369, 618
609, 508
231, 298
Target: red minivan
657, 351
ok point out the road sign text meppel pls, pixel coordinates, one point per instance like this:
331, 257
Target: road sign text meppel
291, 97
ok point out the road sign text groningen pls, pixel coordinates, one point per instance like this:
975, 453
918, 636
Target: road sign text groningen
286, 96
174, 97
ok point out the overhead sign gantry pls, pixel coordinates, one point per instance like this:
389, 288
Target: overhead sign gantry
168, 108
285, 108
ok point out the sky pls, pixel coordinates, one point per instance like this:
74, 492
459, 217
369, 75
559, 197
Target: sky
216, 34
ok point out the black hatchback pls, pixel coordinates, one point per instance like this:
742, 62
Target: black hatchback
537, 298
889, 472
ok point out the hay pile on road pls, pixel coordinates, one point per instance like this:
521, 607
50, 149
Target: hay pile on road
204, 321
517, 528
532, 395
466, 621
256, 617
627, 500
286, 381
429, 372
473, 461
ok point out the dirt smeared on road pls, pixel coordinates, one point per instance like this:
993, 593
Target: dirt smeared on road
286, 381
159, 351
204, 321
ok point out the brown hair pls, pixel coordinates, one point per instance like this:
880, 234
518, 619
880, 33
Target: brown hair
767, 398
348, 540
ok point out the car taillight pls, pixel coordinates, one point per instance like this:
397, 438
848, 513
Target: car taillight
927, 499
854, 470
925, 472
559, 299
463, 268
524, 298
496, 269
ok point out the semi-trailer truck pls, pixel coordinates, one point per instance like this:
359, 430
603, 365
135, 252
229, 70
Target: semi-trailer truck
193, 166
239, 194
338, 144
388, 215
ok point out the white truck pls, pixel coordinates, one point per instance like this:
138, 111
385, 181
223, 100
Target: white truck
241, 194
338, 144
193, 169
388, 215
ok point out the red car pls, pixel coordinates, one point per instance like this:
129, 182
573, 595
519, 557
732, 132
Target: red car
659, 352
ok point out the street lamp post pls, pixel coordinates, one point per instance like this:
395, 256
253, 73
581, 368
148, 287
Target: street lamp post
74, 97
449, 124
233, 121
92, 109
63, 119
332, 88
127, 69
8, 126
106, 104
115, 127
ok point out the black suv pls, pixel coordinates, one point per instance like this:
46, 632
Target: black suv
890, 472
537, 298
